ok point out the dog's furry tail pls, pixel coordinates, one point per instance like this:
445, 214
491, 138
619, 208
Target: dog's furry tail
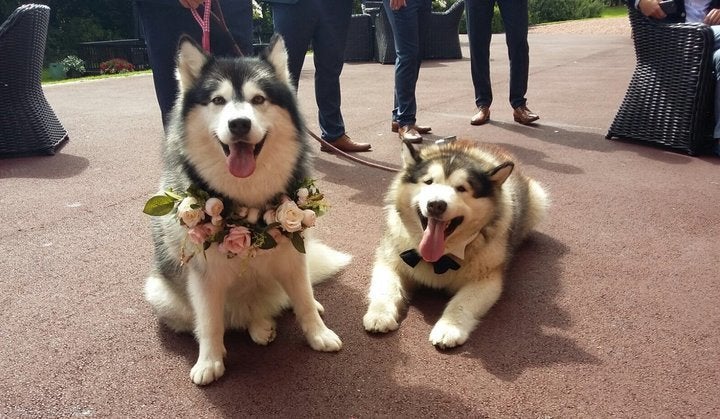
324, 261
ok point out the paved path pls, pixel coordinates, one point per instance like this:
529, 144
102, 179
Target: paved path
610, 309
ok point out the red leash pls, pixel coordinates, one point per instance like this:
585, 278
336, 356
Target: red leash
204, 23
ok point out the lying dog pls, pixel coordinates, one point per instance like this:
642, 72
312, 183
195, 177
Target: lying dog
455, 214
236, 167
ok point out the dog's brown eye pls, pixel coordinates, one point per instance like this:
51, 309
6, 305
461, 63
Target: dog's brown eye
258, 100
428, 182
218, 100
461, 189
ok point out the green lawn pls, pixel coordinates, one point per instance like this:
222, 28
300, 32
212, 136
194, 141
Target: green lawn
615, 11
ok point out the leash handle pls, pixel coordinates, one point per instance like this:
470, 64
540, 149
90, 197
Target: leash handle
204, 23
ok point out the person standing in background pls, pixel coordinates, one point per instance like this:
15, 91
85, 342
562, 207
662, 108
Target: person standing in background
479, 14
408, 19
324, 24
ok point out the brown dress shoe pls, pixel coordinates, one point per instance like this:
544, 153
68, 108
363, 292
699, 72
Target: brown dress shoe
409, 133
345, 144
524, 116
421, 129
481, 117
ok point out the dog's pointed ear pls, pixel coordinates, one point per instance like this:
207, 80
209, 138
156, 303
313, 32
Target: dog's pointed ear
499, 174
276, 55
410, 155
190, 61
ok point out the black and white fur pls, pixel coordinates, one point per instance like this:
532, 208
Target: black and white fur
481, 207
225, 103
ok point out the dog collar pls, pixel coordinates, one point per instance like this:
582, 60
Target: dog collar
411, 257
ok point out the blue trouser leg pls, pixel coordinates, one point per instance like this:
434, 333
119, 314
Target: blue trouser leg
329, 48
478, 14
324, 23
515, 19
164, 24
406, 23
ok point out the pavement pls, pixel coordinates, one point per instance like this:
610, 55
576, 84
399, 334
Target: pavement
610, 308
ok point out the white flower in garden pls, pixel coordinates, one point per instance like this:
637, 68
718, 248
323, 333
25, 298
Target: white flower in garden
290, 216
213, 207
190, 216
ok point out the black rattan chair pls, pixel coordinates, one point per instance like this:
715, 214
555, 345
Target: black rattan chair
359, 45
441, 39
28, 124
670, 97
384, 41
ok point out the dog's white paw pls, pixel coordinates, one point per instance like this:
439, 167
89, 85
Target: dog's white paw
319, 307
324, 340
446, 335
206, 371
262, 332
379, 321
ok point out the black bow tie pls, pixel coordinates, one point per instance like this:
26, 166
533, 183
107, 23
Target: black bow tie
412, 258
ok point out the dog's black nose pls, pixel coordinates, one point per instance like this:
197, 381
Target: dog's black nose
239, 126
436, 208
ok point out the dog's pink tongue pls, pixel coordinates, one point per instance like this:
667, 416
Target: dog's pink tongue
432, 245
241, 160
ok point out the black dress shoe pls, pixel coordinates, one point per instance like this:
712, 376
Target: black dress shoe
481, 117
421, 129
345, 144
524, 116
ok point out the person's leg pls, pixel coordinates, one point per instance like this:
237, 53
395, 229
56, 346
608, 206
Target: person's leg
164, 24
329, 49
239, 20
716, 64
406, 32
479, 15
515, 18
162, 27
296, 23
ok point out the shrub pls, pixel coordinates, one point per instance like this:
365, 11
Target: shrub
115, 66
542, 11
74, 66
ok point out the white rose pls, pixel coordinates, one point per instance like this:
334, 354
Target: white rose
190, 216
309, 218
290, 216
253, 215
302, 195
269, 217
213, 207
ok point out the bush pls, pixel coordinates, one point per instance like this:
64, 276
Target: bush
74, 66
116, 66
542, 11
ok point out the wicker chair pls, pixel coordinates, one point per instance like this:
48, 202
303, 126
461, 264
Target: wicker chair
28, 124
441, 39
384, 41
359, 46
670, 97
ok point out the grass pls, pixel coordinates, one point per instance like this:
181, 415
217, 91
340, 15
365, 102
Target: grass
46, 79
614, 11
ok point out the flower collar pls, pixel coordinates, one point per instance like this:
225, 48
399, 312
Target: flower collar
239, 230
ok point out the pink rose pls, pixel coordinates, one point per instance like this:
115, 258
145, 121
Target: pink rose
237, 240
201, 232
